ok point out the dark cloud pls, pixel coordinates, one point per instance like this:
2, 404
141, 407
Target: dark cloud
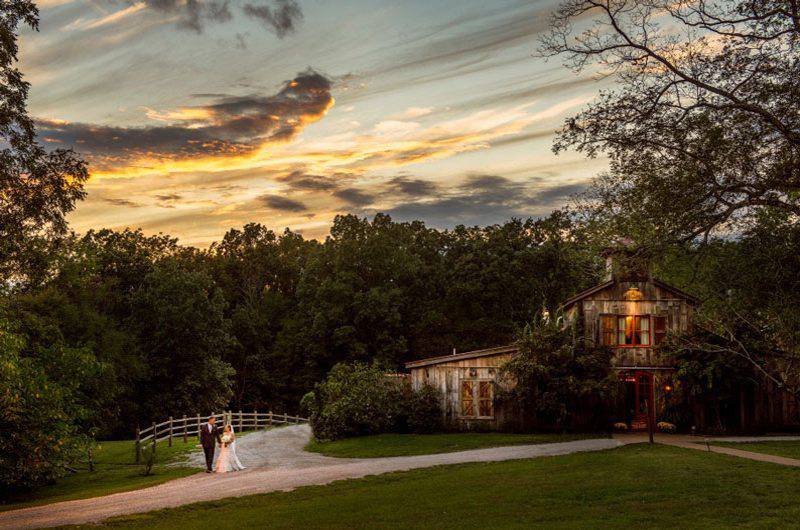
121, 202
282, 18
228, 125
354, 197
558, 193
304, 181
484, 200
284, 204
169, 197
412, 187
279, 16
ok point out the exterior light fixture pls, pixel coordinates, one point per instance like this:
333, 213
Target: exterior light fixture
633, 294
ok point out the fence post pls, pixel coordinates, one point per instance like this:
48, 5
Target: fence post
154, 438
185, 430
255, 419
198, 426
138, 456
285, 418
270, 418
170, 432
240, 420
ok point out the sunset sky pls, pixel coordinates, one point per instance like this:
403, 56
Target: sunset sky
202, 116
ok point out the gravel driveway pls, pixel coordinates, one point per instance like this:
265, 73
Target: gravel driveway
279, 448
276, 462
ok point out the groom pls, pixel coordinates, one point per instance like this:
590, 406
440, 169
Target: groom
209, 438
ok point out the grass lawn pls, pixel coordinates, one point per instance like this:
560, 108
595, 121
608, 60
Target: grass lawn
640, 485
381, 445
115, 471
789, 449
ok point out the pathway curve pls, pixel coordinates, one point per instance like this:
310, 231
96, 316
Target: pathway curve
277, 463
278, 448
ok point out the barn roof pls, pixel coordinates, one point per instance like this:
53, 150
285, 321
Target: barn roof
599, 287
461, 356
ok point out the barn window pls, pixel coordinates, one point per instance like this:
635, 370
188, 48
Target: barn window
477, 399
625, 330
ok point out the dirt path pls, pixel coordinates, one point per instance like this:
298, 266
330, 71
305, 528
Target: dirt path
276, 462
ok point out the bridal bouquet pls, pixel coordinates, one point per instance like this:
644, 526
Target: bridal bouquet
227, 439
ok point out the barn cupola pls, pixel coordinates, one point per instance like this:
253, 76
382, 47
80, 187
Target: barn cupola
626, 261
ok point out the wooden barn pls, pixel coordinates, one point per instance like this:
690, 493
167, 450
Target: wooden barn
631, 312
467, 382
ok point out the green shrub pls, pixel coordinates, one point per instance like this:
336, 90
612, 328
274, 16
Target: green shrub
355, 400
307, 404
425, 410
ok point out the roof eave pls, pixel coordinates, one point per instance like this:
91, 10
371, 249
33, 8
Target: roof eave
461, 356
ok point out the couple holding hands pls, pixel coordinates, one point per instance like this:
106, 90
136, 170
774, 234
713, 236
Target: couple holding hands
211, 437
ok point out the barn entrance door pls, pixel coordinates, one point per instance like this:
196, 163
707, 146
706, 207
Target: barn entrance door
638, 390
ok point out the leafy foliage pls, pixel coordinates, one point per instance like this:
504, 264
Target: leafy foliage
39, 437
703, 129
747, 331
37, 187
557, 377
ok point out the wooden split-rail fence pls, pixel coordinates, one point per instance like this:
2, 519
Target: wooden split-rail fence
183, 428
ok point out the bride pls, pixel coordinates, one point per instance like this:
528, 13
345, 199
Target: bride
227, 460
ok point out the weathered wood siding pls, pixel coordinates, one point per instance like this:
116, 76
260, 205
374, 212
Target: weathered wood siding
447, 377
655, 300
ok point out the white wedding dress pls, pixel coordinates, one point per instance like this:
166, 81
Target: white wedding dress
227, 460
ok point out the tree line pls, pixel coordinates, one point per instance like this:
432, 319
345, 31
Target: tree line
258, 318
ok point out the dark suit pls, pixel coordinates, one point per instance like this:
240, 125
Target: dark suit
209, 441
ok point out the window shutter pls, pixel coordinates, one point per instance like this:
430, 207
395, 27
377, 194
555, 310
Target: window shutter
467, 399
485, 401
659, 328
607, 330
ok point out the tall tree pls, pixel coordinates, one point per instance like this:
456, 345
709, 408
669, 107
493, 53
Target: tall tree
258, 273
183, 336
704, 127
37, 187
